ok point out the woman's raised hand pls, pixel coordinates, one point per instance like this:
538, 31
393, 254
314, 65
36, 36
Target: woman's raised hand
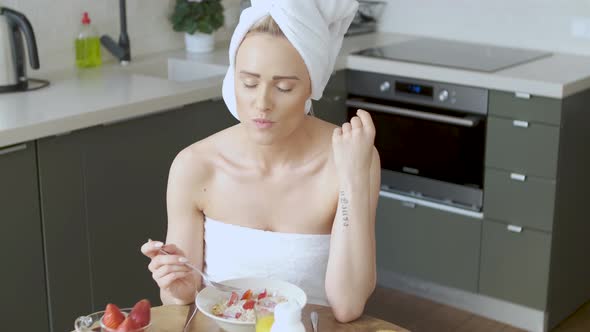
352, 145
169, 271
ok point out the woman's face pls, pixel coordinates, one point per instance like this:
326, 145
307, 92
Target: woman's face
272, 85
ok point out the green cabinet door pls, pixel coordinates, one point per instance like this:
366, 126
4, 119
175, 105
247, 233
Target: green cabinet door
332, 107
535, 108
428, 244
22, 282
526, 202
531, 150
515, 265
119, 172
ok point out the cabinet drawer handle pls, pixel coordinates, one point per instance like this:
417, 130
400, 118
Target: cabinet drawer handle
13, 149
522, 95
518, 177
514, 228
520, 123
409, 204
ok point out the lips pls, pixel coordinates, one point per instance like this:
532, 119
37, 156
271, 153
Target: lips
263, 123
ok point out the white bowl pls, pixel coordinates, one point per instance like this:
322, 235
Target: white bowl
209, 296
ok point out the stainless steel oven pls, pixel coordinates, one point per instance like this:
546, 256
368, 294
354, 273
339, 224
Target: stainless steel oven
430, 135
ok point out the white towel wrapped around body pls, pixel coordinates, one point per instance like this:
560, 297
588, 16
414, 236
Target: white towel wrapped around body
314, 27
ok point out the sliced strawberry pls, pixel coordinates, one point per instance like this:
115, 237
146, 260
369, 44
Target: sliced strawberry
128, 325
247, 295
238, 315
113, 317
249, 304
232, 299
141, 313
262, 295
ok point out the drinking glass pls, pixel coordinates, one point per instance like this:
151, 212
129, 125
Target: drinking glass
93, 323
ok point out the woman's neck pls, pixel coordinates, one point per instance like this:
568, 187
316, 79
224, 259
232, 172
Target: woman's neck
290, 152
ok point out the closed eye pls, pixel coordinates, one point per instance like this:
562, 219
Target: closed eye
250, 86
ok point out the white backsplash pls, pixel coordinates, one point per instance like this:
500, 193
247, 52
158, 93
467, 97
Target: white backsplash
536, 24
56, 23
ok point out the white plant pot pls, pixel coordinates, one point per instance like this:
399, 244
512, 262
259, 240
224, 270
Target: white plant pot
199, 42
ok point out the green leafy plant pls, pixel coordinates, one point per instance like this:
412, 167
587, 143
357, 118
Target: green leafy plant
191, 16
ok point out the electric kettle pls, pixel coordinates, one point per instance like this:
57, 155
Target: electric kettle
13, 68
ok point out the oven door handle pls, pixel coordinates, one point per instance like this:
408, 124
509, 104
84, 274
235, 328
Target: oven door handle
469, 121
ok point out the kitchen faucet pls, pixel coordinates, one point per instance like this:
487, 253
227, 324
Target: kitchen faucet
120, 50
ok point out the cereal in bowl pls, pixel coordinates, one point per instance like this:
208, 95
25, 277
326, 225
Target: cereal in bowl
241, 308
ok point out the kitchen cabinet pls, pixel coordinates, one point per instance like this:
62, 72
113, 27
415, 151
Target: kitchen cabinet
535, 197
427, 243
530, 149
515, 264
24, 295
528, 201
332, 106
534, 108
106, 195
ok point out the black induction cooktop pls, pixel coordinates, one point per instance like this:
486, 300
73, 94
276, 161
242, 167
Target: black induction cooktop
455, 54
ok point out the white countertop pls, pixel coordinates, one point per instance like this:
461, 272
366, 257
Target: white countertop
111, 93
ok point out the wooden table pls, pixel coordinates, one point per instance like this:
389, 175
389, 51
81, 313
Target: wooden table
171, 318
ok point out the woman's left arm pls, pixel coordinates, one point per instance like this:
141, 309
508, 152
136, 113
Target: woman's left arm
351, 271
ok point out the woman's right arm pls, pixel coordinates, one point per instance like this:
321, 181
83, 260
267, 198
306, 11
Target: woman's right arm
184, 239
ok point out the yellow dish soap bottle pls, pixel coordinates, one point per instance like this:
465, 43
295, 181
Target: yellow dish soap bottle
87, 45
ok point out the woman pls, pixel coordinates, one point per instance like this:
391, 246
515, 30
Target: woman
281, 194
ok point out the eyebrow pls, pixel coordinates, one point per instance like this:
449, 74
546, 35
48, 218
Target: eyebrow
276, 77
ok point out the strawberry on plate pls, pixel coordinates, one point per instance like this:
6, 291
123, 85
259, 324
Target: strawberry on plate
113, 317
128, 325
140, 313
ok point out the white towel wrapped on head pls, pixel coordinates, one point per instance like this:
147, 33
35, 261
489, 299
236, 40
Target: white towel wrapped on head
314, 27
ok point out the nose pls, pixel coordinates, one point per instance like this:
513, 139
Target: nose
263, 101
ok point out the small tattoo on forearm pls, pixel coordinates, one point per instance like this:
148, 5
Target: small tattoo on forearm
344, 208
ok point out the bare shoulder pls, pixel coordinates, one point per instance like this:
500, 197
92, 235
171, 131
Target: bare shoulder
194, 166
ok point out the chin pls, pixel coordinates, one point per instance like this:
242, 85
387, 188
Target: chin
263, 138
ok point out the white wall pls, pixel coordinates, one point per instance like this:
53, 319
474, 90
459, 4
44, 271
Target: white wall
541, 24
56, 23
537, 24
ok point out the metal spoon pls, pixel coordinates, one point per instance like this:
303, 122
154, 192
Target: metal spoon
207, 279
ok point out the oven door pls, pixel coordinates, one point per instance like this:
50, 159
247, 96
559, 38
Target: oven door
430, 153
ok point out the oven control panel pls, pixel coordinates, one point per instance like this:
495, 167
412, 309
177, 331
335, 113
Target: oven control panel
419, 91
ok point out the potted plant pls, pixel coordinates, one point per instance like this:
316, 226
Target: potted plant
198, 19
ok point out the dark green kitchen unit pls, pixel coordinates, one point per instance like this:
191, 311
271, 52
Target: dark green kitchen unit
529, 203
332, 106
23, 288
536, 190
104, 194
515, 264
427, 243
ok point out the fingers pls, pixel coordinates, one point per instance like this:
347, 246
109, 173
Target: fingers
356, 123
164, 260
166, 281
361, 120
346, 127
164, 270
366, 120
172, 249
151, 248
